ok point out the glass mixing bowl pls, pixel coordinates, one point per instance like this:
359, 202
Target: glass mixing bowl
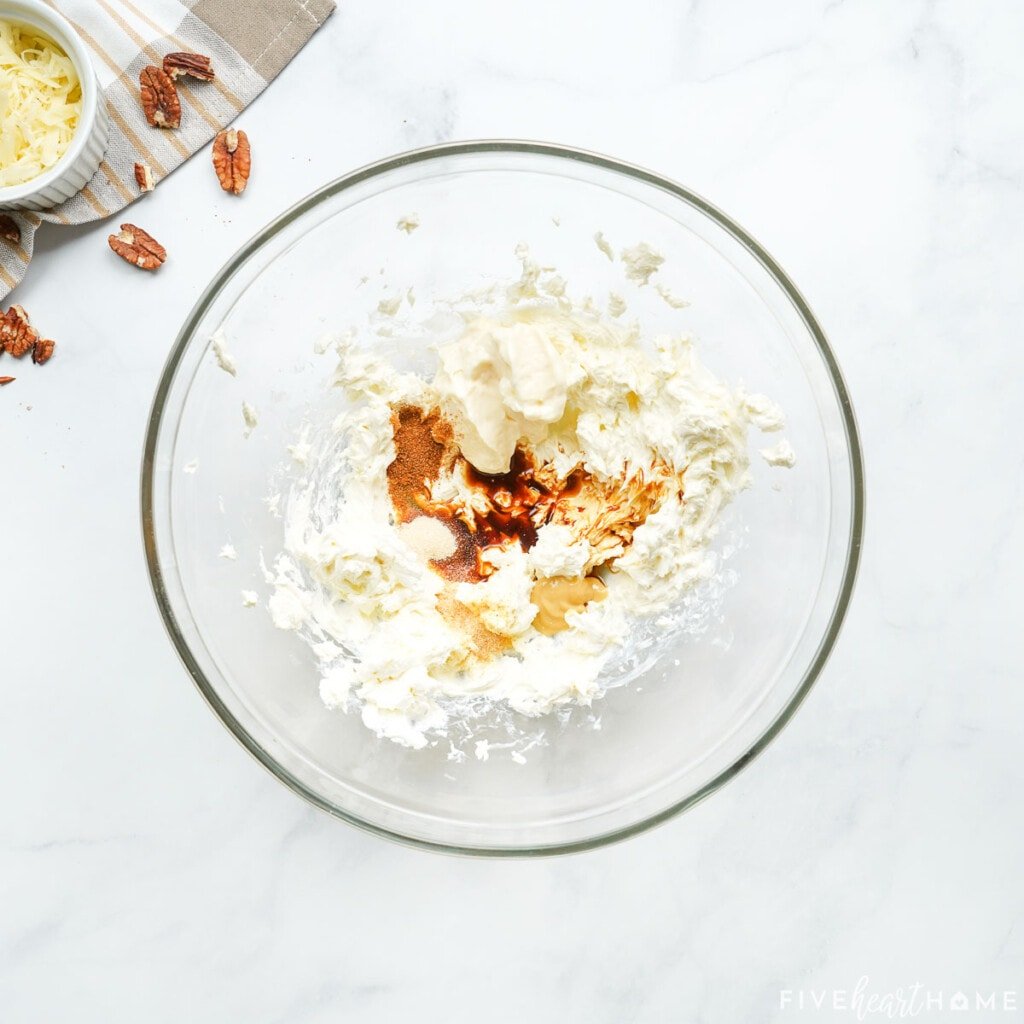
704, 706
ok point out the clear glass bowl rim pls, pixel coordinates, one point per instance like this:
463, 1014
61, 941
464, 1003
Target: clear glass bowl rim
186, 335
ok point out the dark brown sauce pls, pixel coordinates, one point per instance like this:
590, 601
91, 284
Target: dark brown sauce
519, 503
522, 502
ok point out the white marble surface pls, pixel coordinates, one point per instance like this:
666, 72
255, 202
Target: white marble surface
150, 871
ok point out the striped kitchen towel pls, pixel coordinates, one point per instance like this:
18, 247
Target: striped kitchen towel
248, 42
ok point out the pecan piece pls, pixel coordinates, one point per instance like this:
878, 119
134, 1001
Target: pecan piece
42, 351
9, 230
5, 380
137, 247
17, 336
144, 177
195, 65
160, 101
232, 160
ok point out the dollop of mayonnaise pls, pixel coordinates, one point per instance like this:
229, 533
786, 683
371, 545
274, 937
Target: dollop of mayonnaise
500, 382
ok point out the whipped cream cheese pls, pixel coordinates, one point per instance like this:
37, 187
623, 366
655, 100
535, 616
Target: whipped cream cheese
224, 359
250, 417
670, 297
408, 222
621, 452
641, 262
780, 454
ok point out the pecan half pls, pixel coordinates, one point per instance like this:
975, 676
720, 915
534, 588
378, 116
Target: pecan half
17, 336
144, 177
160, 101
137, 247
9, 230
195, 65
42, 351
5, 380
232, 160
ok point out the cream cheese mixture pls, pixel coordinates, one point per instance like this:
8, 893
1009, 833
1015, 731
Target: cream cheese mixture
497, 530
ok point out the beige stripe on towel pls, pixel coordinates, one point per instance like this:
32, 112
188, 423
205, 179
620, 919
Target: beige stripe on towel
181, 44
186, 95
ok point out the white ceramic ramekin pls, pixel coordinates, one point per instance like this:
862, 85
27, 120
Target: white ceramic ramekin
74, 169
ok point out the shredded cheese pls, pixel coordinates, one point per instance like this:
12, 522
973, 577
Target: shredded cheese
40, 102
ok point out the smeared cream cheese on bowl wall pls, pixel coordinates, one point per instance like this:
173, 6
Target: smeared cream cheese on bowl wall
498, 532
53, 128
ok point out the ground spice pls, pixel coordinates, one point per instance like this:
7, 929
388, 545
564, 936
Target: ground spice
423, 440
